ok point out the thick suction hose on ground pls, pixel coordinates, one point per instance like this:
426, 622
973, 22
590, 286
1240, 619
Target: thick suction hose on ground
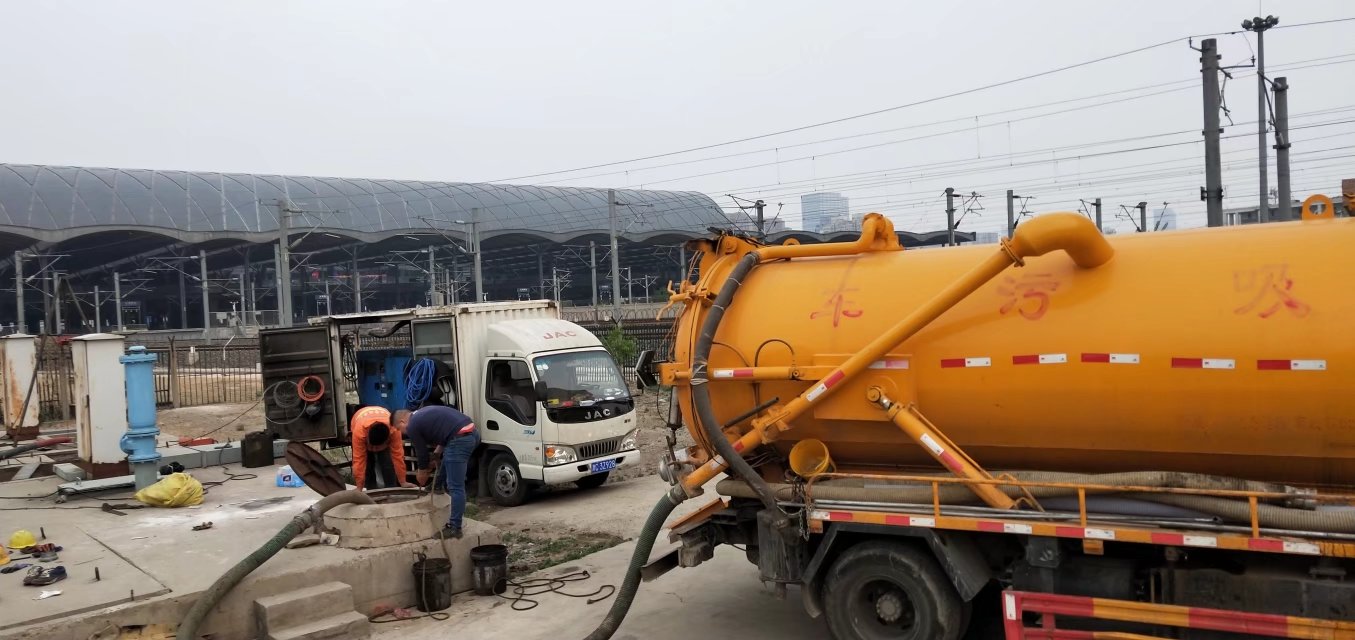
643, 545
188, 628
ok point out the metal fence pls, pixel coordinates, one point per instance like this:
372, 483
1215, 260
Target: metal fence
193, 373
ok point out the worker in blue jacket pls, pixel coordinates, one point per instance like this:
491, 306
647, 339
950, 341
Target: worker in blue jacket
455, 433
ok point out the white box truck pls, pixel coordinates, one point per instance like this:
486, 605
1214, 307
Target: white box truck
552, 406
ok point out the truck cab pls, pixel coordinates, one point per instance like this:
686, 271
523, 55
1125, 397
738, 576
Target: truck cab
551, 404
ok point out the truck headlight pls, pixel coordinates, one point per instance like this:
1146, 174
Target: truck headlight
560, 454
631, 440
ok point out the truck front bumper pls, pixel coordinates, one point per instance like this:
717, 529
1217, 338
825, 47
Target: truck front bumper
566, 473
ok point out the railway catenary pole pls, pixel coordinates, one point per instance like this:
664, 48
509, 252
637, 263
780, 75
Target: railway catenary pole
950, 216
1212, 193
1285, 211
1260, 26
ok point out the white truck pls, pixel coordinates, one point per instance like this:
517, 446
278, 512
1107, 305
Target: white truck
551, 403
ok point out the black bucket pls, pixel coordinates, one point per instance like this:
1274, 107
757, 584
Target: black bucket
490, 573
432, 584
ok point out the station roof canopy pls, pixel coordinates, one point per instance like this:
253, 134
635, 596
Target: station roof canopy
100, 217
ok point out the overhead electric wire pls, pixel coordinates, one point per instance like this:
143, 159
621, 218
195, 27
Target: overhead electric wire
916, 103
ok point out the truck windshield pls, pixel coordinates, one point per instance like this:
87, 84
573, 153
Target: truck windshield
577, 383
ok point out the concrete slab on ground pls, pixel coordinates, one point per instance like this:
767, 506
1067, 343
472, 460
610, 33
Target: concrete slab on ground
627, 505
719, 599
159, 547
120, 581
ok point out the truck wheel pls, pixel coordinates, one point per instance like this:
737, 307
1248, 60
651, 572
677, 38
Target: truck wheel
594, 481
890, 591
506, 485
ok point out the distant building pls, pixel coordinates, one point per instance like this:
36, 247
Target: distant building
838, 225
817, 210
1343, 202
985, 237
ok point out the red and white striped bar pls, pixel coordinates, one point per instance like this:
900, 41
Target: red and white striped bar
823, 387
1041, 358
1203, 363
1111, 358
731, 373
893, 363
1291, 365
965, 363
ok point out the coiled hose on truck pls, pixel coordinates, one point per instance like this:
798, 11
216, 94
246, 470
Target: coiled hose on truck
1270, 516
188, 628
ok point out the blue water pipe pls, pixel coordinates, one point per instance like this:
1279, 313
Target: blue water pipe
139, 441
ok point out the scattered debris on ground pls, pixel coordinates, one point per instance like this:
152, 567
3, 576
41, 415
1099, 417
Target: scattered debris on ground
529, 552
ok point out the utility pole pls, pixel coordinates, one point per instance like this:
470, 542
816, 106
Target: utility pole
593, 264
98, 325
432, 277
328, 311
1097, 203
761, 228
1143, 217
56, 301
284, 264
630, 295
616, 258
19, 291
1011, 213
1260, 26
117, 300
950, 216
280, 275
356, 277
206, 303
183, 299
1212, 193
1282, 147
475, 234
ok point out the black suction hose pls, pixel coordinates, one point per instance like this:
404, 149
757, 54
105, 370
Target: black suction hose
625, 596
705, 413
188, 629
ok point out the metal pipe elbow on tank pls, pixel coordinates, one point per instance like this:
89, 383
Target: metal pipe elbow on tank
1072, 233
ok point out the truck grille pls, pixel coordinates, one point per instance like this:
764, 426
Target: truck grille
598, 448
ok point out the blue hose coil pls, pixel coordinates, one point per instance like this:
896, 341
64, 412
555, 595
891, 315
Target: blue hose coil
420, 382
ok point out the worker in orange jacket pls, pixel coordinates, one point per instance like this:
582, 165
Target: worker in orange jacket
375, 442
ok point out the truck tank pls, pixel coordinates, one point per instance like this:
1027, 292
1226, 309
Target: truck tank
1222, 351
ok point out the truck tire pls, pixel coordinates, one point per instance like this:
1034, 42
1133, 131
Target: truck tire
882, 590
594, 481
506, 485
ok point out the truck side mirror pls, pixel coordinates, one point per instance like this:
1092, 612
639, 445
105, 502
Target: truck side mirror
644, 370
540, 389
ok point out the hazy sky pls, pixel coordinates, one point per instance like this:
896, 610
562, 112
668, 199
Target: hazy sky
493, 91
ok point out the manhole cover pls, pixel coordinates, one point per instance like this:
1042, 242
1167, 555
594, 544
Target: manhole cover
314, 469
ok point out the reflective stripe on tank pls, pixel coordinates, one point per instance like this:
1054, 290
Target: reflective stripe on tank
1203, 363
954, 363
890, 364
1111, 358
1291, 365
1041, 358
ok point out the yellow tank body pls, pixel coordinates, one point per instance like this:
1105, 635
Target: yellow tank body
1227, 351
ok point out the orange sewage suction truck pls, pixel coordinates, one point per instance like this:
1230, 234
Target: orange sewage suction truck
1148, 434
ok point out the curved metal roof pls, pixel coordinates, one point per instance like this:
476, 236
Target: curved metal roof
193, 205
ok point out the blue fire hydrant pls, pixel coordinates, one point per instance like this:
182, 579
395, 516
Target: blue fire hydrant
139, 441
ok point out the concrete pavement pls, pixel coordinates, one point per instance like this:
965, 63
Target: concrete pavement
719, 599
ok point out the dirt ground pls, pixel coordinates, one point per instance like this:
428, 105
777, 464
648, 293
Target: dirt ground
220, 421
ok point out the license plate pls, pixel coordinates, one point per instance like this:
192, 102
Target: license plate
605, 465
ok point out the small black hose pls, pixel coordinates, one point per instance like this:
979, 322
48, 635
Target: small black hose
701, 401
625, 596
188, 628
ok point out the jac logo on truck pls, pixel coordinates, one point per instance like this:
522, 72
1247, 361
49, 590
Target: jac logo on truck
551, 335
597, 413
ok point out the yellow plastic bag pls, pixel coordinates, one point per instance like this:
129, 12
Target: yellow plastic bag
175, 490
